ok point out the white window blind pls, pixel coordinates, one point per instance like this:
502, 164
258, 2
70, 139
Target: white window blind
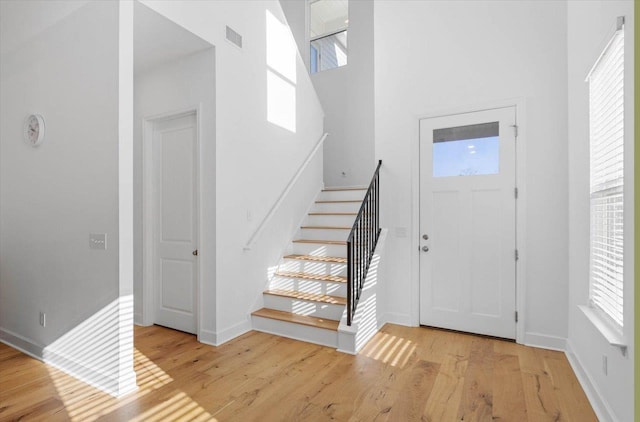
606, 127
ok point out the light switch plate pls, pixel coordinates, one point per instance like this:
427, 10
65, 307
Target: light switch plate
98, 240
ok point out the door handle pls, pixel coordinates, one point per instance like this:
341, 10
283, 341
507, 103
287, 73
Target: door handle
425, 249
195, 253
425, 236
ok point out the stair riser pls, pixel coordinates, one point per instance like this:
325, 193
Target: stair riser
330, 220
296, 331
319, 249
303, 307
337, 207
295, 265
342, 195
324, 234
309, 286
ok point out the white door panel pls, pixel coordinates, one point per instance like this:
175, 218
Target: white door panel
175, 166
467, 210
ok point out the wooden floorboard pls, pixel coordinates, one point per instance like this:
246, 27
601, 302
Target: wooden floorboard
402, 374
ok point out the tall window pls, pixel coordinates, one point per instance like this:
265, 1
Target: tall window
328, 24
606, 133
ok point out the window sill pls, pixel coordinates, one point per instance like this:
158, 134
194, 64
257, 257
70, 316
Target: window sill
611, 334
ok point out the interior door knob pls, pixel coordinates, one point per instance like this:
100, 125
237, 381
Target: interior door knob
425, 236
195, 253
425, 249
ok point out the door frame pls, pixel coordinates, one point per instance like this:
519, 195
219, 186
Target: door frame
149, 213
519, 105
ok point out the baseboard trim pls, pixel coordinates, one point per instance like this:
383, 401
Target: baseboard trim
67, 365
218, 338
207, 337
23, 344
398, 318
544, 341
600, 407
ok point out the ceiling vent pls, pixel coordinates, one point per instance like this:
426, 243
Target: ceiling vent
234, 38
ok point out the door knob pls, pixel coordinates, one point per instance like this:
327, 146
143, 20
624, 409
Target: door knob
425, 236
195, 253
425, 249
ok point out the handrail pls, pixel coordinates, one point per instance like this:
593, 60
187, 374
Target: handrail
362, 242
284, 193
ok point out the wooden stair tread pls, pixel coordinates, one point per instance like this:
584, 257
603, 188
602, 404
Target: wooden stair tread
323, 242
311, 276
327, 324
338, 189
326, 227
333, 213
316, 258
338, 201
313, 297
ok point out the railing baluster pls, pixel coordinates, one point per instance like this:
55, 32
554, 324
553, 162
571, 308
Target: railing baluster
362, 242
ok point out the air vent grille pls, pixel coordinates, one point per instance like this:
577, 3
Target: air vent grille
234, 37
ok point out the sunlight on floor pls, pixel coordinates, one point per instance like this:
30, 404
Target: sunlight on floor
179, 407
83, 402
390, 349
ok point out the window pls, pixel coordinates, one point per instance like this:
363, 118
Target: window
606, 133
328, 23
472, 150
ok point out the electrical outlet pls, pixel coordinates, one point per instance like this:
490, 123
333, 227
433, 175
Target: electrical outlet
43, 319
604, 364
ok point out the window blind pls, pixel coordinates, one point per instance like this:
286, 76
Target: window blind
606, 132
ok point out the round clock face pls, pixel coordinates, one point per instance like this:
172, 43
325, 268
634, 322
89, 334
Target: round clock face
34, 130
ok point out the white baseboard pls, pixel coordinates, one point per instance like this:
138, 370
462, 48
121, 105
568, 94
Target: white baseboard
67, 365
138, 319
600, 407
21, 343
398, 318
218, 338
98, 379
207, 337
544, 341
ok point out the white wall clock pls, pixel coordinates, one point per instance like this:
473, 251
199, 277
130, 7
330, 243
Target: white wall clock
34, 130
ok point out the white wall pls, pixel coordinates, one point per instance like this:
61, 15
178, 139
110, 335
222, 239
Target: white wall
53, 196
431, 57
255, 159
172, 87
589, 25
346, 94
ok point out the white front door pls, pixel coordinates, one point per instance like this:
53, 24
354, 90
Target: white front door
468, 222
175, 169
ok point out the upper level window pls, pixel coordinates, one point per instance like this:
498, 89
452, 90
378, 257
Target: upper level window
606, 133
328, 24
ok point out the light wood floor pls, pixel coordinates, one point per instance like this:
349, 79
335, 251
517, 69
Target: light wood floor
403, 374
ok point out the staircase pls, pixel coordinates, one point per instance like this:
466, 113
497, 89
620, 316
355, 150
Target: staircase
306, 297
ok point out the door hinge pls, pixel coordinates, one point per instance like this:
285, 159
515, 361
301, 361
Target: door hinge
516, 316
515, 130
517, 256
515, 192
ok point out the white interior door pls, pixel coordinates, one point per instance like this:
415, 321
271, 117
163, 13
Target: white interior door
468, 222
175, 168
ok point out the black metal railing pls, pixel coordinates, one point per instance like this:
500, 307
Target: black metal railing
362, 242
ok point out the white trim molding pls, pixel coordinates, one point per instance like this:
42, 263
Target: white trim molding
600, 406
